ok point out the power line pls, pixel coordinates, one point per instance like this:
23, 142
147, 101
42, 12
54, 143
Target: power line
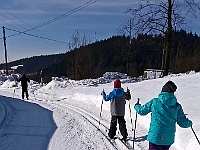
46, 23
59, 17
14, 17
31, 27
35, 36
10, 20
19, 32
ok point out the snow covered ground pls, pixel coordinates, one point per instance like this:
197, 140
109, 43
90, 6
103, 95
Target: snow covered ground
64, 114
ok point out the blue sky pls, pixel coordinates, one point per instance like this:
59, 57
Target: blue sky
100, 20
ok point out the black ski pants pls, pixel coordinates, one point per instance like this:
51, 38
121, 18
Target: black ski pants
122, 126
24, 90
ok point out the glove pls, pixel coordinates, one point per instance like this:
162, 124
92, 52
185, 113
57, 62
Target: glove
128, 91
103, 93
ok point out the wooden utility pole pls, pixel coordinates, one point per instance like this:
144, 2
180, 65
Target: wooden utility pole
168, 39
4, 37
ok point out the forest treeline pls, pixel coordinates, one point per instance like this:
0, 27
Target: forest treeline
116, 54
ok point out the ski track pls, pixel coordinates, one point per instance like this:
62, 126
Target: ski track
17, 127
93, 120
70, 128
93, 116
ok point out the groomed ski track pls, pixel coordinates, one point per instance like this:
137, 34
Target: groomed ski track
26, 123
93, 120
61, 124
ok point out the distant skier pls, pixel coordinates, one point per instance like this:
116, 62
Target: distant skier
165, 112
24, 83
117, 108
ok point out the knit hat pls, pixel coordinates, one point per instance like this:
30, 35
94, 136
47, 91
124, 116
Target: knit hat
169, 87
117, 84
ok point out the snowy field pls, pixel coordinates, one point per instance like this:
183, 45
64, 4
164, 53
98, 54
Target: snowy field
64, 114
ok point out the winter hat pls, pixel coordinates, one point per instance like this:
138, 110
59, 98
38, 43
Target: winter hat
117, 84
169, 87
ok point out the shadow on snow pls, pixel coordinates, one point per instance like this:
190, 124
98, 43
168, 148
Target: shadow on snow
25, 125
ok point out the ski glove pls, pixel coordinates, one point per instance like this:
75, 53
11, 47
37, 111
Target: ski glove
128, 91
103, 93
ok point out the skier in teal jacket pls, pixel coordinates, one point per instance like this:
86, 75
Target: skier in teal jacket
165, 113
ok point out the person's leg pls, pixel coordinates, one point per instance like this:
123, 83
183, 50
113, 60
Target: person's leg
158, 147
166, 147
27, 94
122, 127
113, 127
22, 94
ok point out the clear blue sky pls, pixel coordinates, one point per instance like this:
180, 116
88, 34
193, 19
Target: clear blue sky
97, 21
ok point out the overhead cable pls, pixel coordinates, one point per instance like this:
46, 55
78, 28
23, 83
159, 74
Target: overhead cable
35, 36
59, 17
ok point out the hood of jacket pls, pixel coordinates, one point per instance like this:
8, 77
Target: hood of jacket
117, 92
167, 99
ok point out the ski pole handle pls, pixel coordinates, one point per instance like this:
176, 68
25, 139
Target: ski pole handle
127, 90
138, 101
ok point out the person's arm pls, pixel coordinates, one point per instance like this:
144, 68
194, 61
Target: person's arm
106, 97
144, 109
182, 121
18, 80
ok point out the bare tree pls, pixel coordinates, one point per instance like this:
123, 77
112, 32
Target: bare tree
127, 29
161, 16
77, 40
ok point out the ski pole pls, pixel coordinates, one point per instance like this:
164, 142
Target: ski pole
195, 135
100, 113
135, 126
14, 89
130, 115
130, 112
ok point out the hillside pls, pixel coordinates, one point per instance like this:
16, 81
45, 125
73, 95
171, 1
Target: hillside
35, 63
116, 55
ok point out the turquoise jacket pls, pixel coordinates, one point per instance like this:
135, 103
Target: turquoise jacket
165, 113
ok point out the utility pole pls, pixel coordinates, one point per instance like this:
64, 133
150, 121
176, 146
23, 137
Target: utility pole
4, 37
168, 39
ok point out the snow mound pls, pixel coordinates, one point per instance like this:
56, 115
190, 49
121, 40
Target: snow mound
107, 78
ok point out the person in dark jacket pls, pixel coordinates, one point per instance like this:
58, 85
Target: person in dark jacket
117, 100
24, 83
165, 113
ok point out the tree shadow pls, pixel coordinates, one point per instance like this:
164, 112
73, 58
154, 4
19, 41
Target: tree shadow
25, 125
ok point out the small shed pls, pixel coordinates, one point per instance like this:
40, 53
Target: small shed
152, 73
